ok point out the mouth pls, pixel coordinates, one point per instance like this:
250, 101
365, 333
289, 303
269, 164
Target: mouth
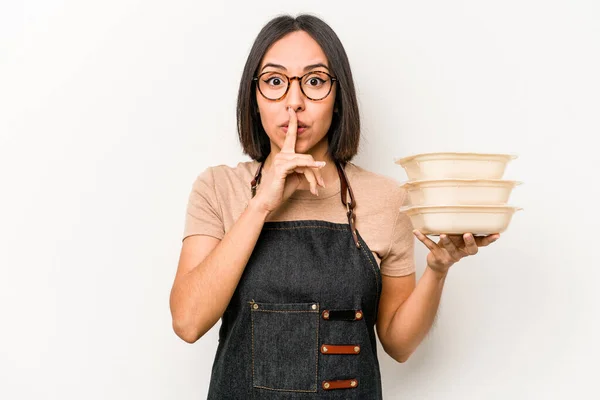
301, 128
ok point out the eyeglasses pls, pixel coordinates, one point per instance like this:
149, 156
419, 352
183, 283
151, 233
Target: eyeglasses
315, 85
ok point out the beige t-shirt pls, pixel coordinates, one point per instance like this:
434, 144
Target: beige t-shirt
221, 193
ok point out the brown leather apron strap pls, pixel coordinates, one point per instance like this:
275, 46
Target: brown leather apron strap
340, 349
346, 188
340, 384
256, 180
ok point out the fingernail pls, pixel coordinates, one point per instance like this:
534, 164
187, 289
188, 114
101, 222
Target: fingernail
321, 182
320, 163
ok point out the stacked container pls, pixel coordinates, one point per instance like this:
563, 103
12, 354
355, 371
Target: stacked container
456, 193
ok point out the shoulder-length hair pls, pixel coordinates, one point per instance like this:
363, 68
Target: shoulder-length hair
344, 132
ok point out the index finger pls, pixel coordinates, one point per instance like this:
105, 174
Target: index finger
431, 245
289, 145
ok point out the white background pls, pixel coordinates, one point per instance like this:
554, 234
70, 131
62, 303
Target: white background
109, 110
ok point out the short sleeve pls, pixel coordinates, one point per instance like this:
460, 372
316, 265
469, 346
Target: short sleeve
399, 260
203, 216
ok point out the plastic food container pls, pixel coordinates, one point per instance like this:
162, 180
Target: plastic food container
457, 220
455, 165
460, 191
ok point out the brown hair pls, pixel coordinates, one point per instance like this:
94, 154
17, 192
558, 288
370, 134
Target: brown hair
344, 132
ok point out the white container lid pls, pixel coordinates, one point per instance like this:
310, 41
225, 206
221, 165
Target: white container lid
460, 182
456, 156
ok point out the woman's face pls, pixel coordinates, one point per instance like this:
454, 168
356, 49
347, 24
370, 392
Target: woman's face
294, 55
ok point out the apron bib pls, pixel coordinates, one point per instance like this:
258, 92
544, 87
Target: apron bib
300, 324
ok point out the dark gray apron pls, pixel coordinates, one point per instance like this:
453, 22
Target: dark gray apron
300, 324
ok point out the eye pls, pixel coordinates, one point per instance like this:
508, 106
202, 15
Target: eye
316, 79
274, 80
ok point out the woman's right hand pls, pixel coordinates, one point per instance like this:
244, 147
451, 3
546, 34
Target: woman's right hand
287, 171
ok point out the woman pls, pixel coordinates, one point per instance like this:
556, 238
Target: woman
300, 252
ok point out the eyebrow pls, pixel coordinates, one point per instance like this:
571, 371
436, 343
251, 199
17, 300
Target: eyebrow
307, 68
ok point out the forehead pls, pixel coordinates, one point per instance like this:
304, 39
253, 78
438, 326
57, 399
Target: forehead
294, 51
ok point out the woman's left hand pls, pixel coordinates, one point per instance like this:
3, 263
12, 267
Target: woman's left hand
452, 248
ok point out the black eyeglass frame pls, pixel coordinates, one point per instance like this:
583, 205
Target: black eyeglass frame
289, 83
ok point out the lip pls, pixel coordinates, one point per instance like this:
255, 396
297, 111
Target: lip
299, 130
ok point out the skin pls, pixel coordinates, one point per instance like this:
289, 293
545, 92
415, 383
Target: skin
200, 296
295, 52
407, 309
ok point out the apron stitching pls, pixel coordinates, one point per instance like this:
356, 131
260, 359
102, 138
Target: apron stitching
317, 357
286, 390
304, 227
252, 319
372, 267
285, 311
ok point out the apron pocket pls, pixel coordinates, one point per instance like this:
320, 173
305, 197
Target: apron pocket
285, 341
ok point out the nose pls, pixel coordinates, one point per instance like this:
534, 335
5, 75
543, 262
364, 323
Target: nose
295, 98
